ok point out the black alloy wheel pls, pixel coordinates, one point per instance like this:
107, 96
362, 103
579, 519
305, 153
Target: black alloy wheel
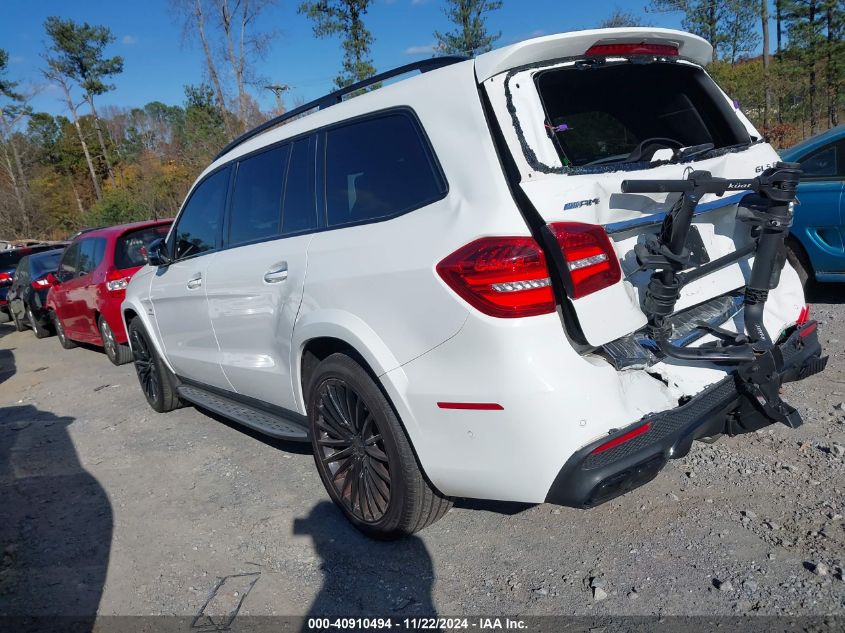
352, 451
157, 382
363, 455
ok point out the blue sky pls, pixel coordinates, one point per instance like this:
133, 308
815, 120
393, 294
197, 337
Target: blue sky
158, 62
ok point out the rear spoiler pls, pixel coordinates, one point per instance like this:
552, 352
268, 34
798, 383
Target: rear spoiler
562, 45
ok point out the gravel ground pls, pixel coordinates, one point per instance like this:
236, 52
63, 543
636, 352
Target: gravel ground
108, 507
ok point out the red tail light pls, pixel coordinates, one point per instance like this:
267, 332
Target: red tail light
589, 255
5, 279
616, 441
631, 48
41, 283
501, 276
116, 280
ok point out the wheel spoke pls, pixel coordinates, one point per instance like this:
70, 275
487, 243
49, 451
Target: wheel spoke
337, 411
376, 500
381, 471
346, 452
333, 443
355, 498
377, 453
380, 485
329, 424
373, 440
342, 469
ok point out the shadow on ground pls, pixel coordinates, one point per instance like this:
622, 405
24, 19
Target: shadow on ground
362, 576
55, 526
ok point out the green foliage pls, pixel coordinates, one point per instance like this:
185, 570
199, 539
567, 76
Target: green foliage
346, 17
78, 53
117, 206
729, 25
470, 36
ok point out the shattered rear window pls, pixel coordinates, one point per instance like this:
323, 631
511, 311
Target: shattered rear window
620, 112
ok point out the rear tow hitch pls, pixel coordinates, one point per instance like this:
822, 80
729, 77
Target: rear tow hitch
761, 366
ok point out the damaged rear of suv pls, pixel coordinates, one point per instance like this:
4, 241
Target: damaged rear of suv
533, 276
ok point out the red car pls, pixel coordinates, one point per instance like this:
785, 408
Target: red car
91, 281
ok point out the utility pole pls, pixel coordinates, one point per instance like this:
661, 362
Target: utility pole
278, 90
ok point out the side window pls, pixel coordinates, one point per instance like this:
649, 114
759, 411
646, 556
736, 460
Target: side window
300, 208
821, 164
70, 260
378, 168
257, 196
22, 271
198, 228
91, 253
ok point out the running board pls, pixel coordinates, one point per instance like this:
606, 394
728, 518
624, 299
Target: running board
271, 424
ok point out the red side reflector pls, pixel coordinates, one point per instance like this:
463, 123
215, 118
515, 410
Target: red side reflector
480, 406
808, 329
632, 48
616, 441
803, 316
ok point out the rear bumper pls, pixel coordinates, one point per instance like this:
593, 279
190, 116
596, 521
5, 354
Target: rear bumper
632, 456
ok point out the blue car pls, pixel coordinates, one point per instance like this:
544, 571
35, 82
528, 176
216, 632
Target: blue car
816, 245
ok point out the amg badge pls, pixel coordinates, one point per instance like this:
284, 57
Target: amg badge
577, 204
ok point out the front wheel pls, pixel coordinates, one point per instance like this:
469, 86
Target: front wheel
60, 332
364, 457
157, 382
118, 354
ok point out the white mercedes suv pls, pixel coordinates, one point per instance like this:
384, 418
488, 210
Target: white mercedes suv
532, 276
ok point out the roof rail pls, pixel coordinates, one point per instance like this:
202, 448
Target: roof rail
337, 96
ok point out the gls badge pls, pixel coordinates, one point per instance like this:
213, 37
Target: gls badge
577, 204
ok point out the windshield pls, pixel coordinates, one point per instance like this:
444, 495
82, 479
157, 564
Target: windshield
46, 263
619, 112
131, 248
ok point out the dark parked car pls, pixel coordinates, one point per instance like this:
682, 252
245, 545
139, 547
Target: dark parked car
27, 295
8, 263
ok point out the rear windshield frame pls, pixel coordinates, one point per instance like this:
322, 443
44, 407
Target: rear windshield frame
580, 64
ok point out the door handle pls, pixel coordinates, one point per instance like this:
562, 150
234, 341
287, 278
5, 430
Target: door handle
195, 282
277, 273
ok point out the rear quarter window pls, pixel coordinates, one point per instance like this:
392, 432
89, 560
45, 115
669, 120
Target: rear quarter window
378, 168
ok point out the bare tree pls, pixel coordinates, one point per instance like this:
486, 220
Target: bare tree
55, 75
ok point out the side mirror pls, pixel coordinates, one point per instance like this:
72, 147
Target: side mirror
157, 253
52, 279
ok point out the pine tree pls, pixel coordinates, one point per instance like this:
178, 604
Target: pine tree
332, 17
471, 36
78, 55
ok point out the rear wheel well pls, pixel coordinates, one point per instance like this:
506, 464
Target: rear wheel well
318, 349
128, 315
794, 245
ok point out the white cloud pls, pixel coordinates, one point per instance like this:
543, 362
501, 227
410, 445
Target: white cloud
427, 49
129, 40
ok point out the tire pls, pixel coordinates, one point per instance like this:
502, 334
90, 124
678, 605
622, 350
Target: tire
158, 384
796, 256
60, 332
119, 354
20, 326
39, 330
363, 455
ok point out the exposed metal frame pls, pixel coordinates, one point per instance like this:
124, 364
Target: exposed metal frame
333, 98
